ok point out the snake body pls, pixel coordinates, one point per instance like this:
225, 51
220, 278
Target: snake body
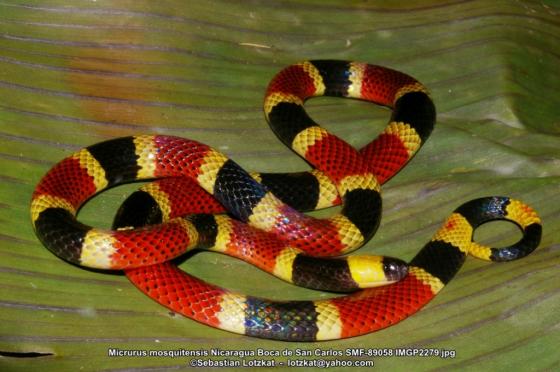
267, 228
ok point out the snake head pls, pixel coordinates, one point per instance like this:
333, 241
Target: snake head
375, 271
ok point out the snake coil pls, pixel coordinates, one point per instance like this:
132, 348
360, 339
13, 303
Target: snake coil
196, 184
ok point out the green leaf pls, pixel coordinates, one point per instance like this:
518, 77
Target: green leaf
73, 73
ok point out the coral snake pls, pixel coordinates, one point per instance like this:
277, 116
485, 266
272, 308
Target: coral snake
263, 224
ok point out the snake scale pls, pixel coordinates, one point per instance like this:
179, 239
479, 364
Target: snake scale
204, 200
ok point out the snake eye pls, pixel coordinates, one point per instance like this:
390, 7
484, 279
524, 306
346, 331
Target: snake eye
394, 268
